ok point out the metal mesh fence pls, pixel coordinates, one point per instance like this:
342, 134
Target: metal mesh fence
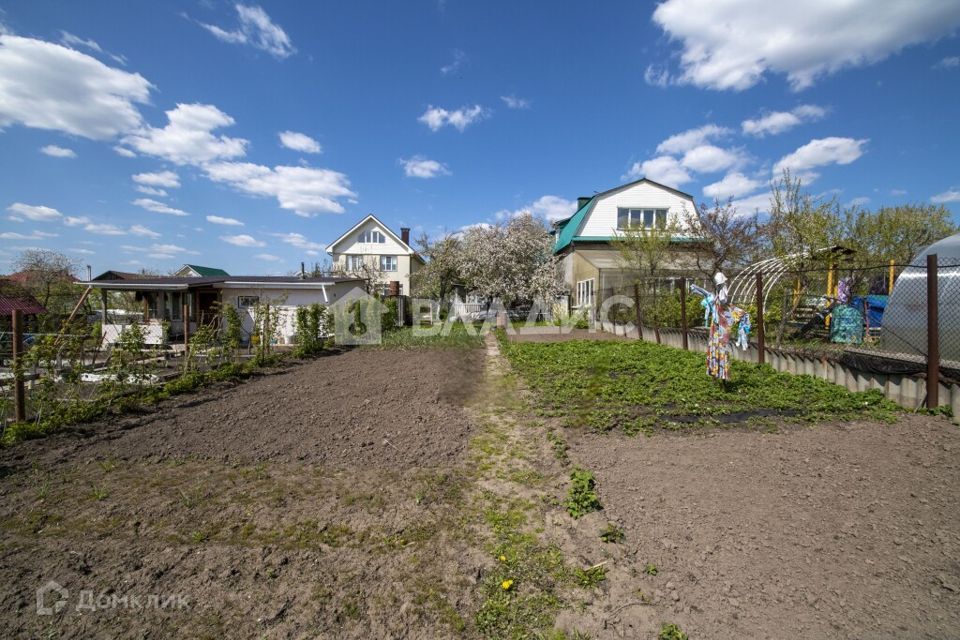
874, 317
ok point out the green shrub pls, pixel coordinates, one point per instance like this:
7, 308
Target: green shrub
670, 631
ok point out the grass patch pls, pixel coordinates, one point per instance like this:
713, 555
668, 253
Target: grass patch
612, 533
459, 337
639, 386
582, 497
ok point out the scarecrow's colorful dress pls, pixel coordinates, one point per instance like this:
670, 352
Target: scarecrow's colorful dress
722, 318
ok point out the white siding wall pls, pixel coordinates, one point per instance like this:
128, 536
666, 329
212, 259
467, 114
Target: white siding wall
372, 252
602, 220
287, 300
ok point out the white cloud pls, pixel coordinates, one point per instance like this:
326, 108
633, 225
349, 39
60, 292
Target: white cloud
436, 117
167, 179
898, 192
687, 140
751, 204
950, 195
299, 241
709, 159
76, 221
663, 169
243, 240
230, 222
729, 45
776, 122
514, 102
84, 252
550, 208
34, 212
859, 201
151, 191
104, 229
72, 41
158, 250
459, 58
158, 207
36, 235
733, 185
50, 86
58, 152
257, 30
299, 142
818, 153
146, 232
656, 76
950, 62
126, 153
304, 190
421, 167
187, 138
268, 257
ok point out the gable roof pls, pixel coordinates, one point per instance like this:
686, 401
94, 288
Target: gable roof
204, 272
14, 297
566, 230
382, 226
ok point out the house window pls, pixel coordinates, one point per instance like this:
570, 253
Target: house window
388, 263
585, 293
373, 236
385, 290
645, 218
354, 263
247, 302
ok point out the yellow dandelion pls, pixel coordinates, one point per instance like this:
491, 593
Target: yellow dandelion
506, 584
503, 558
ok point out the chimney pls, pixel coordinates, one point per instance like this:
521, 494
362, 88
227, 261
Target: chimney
405, 235
89, 273
303, 270
582, 200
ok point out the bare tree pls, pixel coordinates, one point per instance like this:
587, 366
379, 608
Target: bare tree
48, 275
731, 239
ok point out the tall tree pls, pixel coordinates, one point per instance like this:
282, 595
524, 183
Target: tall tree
512, 262
896, 233
436, 278
49, 277
800, 222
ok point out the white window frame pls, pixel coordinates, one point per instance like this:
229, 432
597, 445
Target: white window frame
247, 302
372, 236
635, 217
392, 261
586, 293
354, 262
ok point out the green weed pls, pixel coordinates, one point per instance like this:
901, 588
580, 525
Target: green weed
582, 497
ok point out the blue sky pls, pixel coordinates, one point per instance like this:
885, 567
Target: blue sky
141, 134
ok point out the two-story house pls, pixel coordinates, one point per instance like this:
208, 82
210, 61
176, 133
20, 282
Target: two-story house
591, 265
371, 250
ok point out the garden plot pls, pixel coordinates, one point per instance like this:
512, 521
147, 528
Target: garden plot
323, 500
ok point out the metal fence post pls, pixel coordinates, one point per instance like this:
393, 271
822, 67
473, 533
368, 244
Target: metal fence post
636, 302
683, 311
19, 398
761, 340
933, 335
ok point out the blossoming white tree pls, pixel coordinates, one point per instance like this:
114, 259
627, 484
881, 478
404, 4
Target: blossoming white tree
511, 262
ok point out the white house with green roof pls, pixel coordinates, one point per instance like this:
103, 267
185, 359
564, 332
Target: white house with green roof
591, 266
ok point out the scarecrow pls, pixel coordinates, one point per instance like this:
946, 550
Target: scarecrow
722, 318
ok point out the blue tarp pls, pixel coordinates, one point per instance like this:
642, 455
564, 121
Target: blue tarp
876, 305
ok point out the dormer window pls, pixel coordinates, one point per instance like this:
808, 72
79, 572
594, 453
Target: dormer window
372, 236
641, 218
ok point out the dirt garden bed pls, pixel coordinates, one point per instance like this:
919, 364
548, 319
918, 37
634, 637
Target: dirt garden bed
324, 500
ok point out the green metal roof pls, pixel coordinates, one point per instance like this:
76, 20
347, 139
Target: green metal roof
207, 271
566, 229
